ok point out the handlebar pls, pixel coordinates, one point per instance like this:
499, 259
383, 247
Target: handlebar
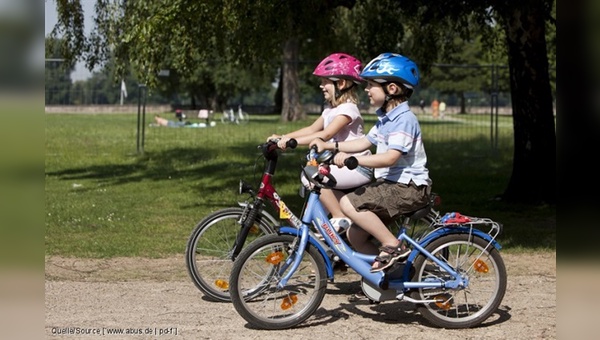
327, 158
292, 143
351, 162
270, 146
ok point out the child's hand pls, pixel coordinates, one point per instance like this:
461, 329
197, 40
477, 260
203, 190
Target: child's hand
272, 138
319, 143
282, 143
339, 159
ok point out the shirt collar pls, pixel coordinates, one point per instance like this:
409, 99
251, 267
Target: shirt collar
397, 111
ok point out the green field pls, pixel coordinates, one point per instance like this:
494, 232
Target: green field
104, 199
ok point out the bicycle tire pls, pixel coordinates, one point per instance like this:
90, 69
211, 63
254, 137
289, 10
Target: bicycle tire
254, 280
468, 307
208, 254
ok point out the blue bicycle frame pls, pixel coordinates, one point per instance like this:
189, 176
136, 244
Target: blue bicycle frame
315, 214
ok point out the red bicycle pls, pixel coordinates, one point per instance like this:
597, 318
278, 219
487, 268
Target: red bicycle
219, 237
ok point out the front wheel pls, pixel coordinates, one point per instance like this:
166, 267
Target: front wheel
258, 270
477, 260
208, 254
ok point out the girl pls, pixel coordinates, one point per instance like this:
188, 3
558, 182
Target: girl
340, 77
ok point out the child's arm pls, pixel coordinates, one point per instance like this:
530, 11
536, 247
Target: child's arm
379, 160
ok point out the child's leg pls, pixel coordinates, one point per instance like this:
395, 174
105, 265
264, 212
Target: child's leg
359, 239
330, 201
373, 197
369, 222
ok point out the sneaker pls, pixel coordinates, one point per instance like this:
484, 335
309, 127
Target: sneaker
340, 224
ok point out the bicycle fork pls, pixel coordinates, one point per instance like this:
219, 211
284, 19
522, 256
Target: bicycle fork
247, 224
293, 261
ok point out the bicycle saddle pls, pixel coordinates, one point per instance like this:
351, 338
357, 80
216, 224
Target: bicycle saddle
422, 212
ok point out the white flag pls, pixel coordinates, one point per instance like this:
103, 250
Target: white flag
123, 89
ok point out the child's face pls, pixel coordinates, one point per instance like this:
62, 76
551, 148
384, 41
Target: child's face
375, 93
328, 89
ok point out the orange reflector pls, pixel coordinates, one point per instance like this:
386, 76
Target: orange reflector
481, 267
222, 284
443, 302
275, 258
289, 301
253, 230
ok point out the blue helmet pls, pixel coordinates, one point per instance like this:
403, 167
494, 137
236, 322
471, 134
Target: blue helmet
388, 67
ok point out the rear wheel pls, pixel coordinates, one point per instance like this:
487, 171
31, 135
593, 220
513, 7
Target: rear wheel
208, 254
259, 269
479, 262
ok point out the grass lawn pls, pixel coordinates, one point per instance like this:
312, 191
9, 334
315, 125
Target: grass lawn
104, 199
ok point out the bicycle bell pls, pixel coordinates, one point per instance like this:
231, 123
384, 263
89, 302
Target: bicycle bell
325, 157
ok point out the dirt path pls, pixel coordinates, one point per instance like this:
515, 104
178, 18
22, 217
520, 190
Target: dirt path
139, 295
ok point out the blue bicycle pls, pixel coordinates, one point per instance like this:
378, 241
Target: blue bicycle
455, 274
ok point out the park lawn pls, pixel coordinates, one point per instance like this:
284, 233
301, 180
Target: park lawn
103, 198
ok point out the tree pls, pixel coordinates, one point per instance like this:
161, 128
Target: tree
524, 23
187, 32
534, 162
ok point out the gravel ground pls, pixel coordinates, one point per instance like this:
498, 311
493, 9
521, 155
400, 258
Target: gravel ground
156, 298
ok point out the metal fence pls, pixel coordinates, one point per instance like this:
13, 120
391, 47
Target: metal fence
477, 100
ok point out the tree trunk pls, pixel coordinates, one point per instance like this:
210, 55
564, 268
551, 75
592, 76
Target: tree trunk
463, 103
291, 109
533, 178
279, 94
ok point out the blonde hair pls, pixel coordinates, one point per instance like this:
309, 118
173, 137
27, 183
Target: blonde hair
349, 95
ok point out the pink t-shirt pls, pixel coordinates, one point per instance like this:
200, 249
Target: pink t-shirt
352, 131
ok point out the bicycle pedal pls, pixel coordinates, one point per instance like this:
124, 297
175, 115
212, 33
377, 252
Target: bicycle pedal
395, 271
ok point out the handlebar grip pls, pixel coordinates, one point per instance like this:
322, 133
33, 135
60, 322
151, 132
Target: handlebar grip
292, 143
351, 162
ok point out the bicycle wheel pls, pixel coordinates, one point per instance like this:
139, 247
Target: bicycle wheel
462, 307
208, 252
256, 273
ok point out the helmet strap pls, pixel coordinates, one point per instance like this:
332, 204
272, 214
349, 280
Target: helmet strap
388, 97
405, 92
339, 92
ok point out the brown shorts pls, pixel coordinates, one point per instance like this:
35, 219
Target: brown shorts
388, 200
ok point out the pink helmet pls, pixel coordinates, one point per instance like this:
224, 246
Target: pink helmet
339, 65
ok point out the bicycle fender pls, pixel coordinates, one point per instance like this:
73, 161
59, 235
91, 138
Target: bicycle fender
264, 213
441, 232
285, 230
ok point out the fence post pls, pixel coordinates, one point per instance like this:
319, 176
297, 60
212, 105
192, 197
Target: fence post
141, 117
494, 105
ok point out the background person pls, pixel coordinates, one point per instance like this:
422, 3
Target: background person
442, 108
435, 108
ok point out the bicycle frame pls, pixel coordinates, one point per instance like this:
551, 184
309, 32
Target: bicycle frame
266, 192
315, 214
